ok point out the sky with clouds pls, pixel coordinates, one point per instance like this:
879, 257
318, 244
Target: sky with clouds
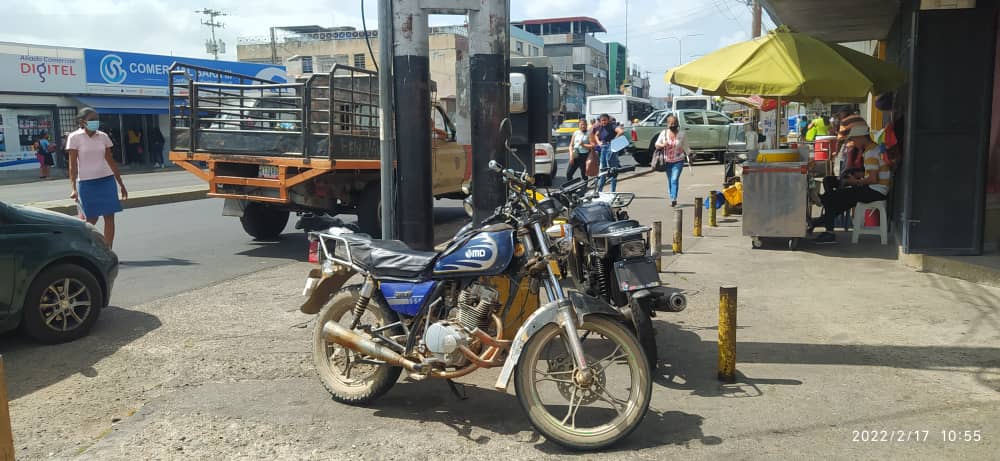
173, 27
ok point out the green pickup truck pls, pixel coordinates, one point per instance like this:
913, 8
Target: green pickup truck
707, 134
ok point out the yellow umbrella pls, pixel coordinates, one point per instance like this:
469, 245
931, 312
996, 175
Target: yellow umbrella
791, 66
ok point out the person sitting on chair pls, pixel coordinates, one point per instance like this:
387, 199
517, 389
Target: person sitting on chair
871, 187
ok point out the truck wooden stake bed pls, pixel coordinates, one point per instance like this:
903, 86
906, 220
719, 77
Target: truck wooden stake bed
270, 149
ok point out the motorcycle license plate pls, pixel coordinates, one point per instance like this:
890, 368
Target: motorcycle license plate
637, 274
268, 171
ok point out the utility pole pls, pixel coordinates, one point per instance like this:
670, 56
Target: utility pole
214, 45
756, 18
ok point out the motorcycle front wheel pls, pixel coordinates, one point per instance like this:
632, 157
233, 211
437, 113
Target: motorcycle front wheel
584, 409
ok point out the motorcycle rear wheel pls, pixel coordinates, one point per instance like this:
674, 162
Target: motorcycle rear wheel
347, 380
558, 423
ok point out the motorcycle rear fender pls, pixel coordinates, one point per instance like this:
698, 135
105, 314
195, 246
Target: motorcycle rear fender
582, 306
328, 286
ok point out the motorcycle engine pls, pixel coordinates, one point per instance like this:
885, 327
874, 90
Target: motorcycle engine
443, 338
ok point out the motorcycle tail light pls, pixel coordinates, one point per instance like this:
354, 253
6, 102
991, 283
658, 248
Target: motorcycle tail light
633, 248
314, 251
540, 153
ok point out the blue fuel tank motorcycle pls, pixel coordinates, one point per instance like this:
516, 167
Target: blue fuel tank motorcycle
580, 375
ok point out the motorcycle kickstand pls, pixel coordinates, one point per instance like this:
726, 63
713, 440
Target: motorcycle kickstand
458, 390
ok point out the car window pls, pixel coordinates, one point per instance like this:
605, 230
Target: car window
693, 118
575, 124
716, 118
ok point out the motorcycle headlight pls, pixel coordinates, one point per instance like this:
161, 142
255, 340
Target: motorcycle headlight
633, 248
467, 204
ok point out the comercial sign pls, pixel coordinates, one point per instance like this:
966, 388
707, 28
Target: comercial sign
113, 72
41, 74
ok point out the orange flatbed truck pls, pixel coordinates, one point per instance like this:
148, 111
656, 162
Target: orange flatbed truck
312, 146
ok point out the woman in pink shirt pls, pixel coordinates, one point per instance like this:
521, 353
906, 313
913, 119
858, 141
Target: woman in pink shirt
93, 173
675, 152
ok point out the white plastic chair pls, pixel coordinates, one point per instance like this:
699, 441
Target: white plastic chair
859, 221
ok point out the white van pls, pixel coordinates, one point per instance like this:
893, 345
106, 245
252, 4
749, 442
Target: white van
620, 107
692, 102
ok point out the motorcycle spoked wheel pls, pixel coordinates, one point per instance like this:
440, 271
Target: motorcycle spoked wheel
348, 380
584, 415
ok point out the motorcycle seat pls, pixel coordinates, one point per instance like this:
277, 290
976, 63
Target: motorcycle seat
389, 258
607, 227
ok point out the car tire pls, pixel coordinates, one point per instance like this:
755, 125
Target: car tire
49, 294
370, 210
644, 157
264, 223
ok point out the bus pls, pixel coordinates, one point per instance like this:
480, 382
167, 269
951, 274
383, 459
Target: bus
620, 107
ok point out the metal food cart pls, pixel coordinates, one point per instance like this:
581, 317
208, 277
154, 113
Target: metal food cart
775, 201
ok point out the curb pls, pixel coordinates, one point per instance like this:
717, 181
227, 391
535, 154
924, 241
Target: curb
136, 200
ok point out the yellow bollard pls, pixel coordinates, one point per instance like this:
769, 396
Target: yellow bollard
727, 334
698, 204
678, 231
711, 211
658, 244
6, 436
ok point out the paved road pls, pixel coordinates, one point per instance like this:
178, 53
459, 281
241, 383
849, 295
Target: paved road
174, 248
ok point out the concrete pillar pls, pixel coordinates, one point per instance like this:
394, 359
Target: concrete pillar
489, 43
411, 69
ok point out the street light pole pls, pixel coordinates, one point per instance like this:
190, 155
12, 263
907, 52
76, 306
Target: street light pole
680, 46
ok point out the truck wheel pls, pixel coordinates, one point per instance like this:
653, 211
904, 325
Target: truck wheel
644, 157
370, 210
264, 222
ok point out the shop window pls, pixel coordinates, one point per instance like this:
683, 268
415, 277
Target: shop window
307, 64
67, 119
359, 60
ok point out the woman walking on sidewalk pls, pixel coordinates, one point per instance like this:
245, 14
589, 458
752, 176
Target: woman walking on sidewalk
93, 173
675, 150
579, 147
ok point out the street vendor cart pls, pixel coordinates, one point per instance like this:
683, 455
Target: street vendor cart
775, 201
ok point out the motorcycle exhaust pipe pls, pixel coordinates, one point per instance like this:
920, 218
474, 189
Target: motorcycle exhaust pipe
676, 302
339, 334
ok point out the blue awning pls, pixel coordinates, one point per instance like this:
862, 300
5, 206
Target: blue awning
125, 105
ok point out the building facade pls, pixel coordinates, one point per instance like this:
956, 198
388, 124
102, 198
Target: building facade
578, 58
945, 197
617, 68
525, 45
42, 87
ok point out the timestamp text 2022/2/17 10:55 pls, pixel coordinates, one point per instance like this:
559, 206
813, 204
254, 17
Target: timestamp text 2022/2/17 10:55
885, 435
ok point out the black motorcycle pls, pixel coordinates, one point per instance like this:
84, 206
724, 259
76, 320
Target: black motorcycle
609, 257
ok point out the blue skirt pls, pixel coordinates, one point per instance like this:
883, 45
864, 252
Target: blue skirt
99, 197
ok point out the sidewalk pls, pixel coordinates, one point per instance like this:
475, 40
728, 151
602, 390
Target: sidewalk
136, 182
833, 342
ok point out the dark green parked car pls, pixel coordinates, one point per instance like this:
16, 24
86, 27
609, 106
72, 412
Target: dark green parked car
56, 274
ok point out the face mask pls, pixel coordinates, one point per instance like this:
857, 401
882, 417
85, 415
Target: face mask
674, 128
93, 125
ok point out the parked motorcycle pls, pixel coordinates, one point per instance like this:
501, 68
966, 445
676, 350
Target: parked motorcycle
609, 257
445, 315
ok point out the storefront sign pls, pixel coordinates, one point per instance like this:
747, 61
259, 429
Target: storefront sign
112, 72
41, 74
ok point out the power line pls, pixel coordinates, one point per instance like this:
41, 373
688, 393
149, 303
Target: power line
215, 46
